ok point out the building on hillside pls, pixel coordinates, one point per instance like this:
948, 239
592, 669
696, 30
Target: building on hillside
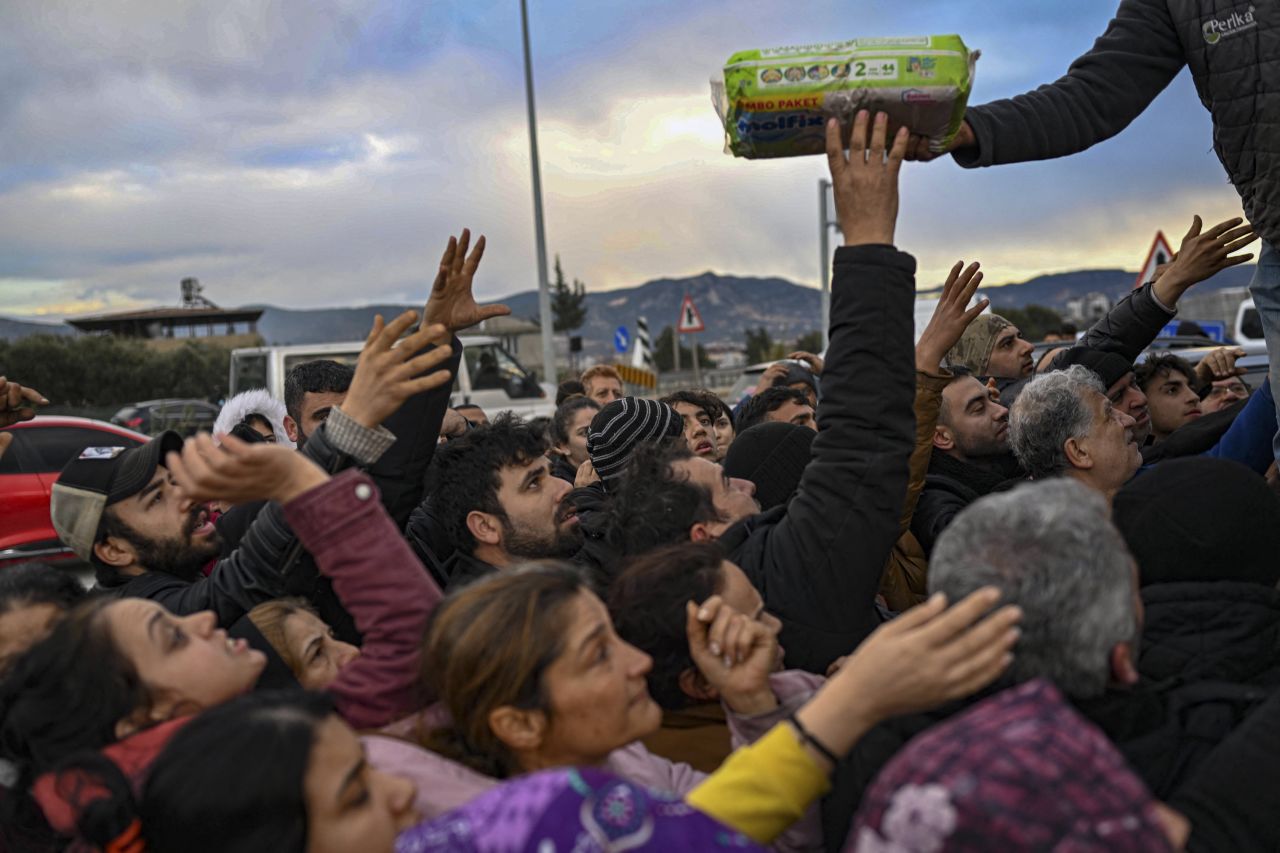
1088, 309
197, 318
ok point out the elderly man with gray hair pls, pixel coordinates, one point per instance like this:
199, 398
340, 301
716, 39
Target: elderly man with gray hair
1062, 424
1053, 551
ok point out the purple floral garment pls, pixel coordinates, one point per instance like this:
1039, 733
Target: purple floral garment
583, 811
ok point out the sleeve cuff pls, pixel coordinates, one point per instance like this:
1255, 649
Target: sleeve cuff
1165, 308
362, 444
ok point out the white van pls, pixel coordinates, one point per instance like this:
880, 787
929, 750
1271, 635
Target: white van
1248, 324
488, 376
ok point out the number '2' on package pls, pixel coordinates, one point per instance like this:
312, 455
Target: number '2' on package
775, 102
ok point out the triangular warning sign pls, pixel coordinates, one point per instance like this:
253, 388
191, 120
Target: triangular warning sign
1160, 254
690, 319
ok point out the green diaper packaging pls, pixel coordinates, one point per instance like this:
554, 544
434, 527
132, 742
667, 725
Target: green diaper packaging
775, 102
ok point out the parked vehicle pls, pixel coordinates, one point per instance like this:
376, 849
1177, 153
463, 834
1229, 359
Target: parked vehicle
155, 416
1249, 324
28, 470
489, 376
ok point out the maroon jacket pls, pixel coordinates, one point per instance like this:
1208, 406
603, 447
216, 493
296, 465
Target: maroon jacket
381, 584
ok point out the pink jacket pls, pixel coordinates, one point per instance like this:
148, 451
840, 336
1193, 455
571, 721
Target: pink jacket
383, 586
444, 785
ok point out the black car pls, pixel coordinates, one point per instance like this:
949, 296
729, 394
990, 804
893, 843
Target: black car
155, 416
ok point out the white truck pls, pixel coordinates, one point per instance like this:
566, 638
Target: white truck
488, 375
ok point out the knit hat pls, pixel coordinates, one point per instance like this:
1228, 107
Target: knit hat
1109, 366
1201, 519
1020, 771
773, 455
619, 427
973, 350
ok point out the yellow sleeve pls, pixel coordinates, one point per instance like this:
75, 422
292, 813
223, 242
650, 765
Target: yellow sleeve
763, 788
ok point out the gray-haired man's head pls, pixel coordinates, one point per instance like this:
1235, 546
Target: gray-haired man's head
1052, 550
1063, 424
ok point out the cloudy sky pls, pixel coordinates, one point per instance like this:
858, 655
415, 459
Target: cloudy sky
319, 152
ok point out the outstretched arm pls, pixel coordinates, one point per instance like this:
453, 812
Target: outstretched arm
822, 563
1101, 93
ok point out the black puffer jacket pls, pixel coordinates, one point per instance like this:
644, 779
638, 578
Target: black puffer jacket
1223, 631
951, 485
817, 561
1233, 50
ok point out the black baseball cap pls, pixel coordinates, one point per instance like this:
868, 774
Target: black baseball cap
99, 477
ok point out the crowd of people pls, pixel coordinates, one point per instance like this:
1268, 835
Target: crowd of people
922, 593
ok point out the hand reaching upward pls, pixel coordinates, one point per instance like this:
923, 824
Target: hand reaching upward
452, 303
865, 182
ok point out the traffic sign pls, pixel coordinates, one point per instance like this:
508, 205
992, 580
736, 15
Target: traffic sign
1215, 329
1160, 254
621, 339
690, 319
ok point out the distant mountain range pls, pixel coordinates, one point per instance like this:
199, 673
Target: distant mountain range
728, 305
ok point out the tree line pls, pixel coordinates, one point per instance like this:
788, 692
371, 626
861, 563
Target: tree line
100, 370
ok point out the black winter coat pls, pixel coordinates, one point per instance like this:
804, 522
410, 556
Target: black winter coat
1220, 631
817, 561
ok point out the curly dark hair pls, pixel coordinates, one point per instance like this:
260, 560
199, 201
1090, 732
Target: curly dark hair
467, 472
1162, 364
647, 603
702, 398
754, 410
655, 506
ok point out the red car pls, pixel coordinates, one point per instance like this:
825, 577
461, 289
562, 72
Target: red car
28, 470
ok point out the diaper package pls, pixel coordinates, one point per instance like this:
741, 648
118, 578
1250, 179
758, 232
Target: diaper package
775, 102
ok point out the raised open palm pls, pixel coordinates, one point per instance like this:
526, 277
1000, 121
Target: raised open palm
452, 303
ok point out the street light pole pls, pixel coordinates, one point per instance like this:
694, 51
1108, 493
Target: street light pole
824, 226
540, 236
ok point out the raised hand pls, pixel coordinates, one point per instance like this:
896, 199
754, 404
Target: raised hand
1220, 364
865, 182
773, 374
1202, 255
452, 303
586, 475
951, 316
387, 374
236, 471
734, 653
18, 402
927, 656
815, 363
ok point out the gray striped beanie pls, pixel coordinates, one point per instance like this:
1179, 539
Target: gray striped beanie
619, 427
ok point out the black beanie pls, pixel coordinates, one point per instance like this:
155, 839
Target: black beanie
1201, 519
773, 455
1111, 368
620, 426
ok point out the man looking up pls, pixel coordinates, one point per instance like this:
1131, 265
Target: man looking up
970, 457
992, 346
496, 497
1064, 425
121, 511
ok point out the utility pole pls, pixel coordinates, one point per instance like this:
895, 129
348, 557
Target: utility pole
540, 236
825, 224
